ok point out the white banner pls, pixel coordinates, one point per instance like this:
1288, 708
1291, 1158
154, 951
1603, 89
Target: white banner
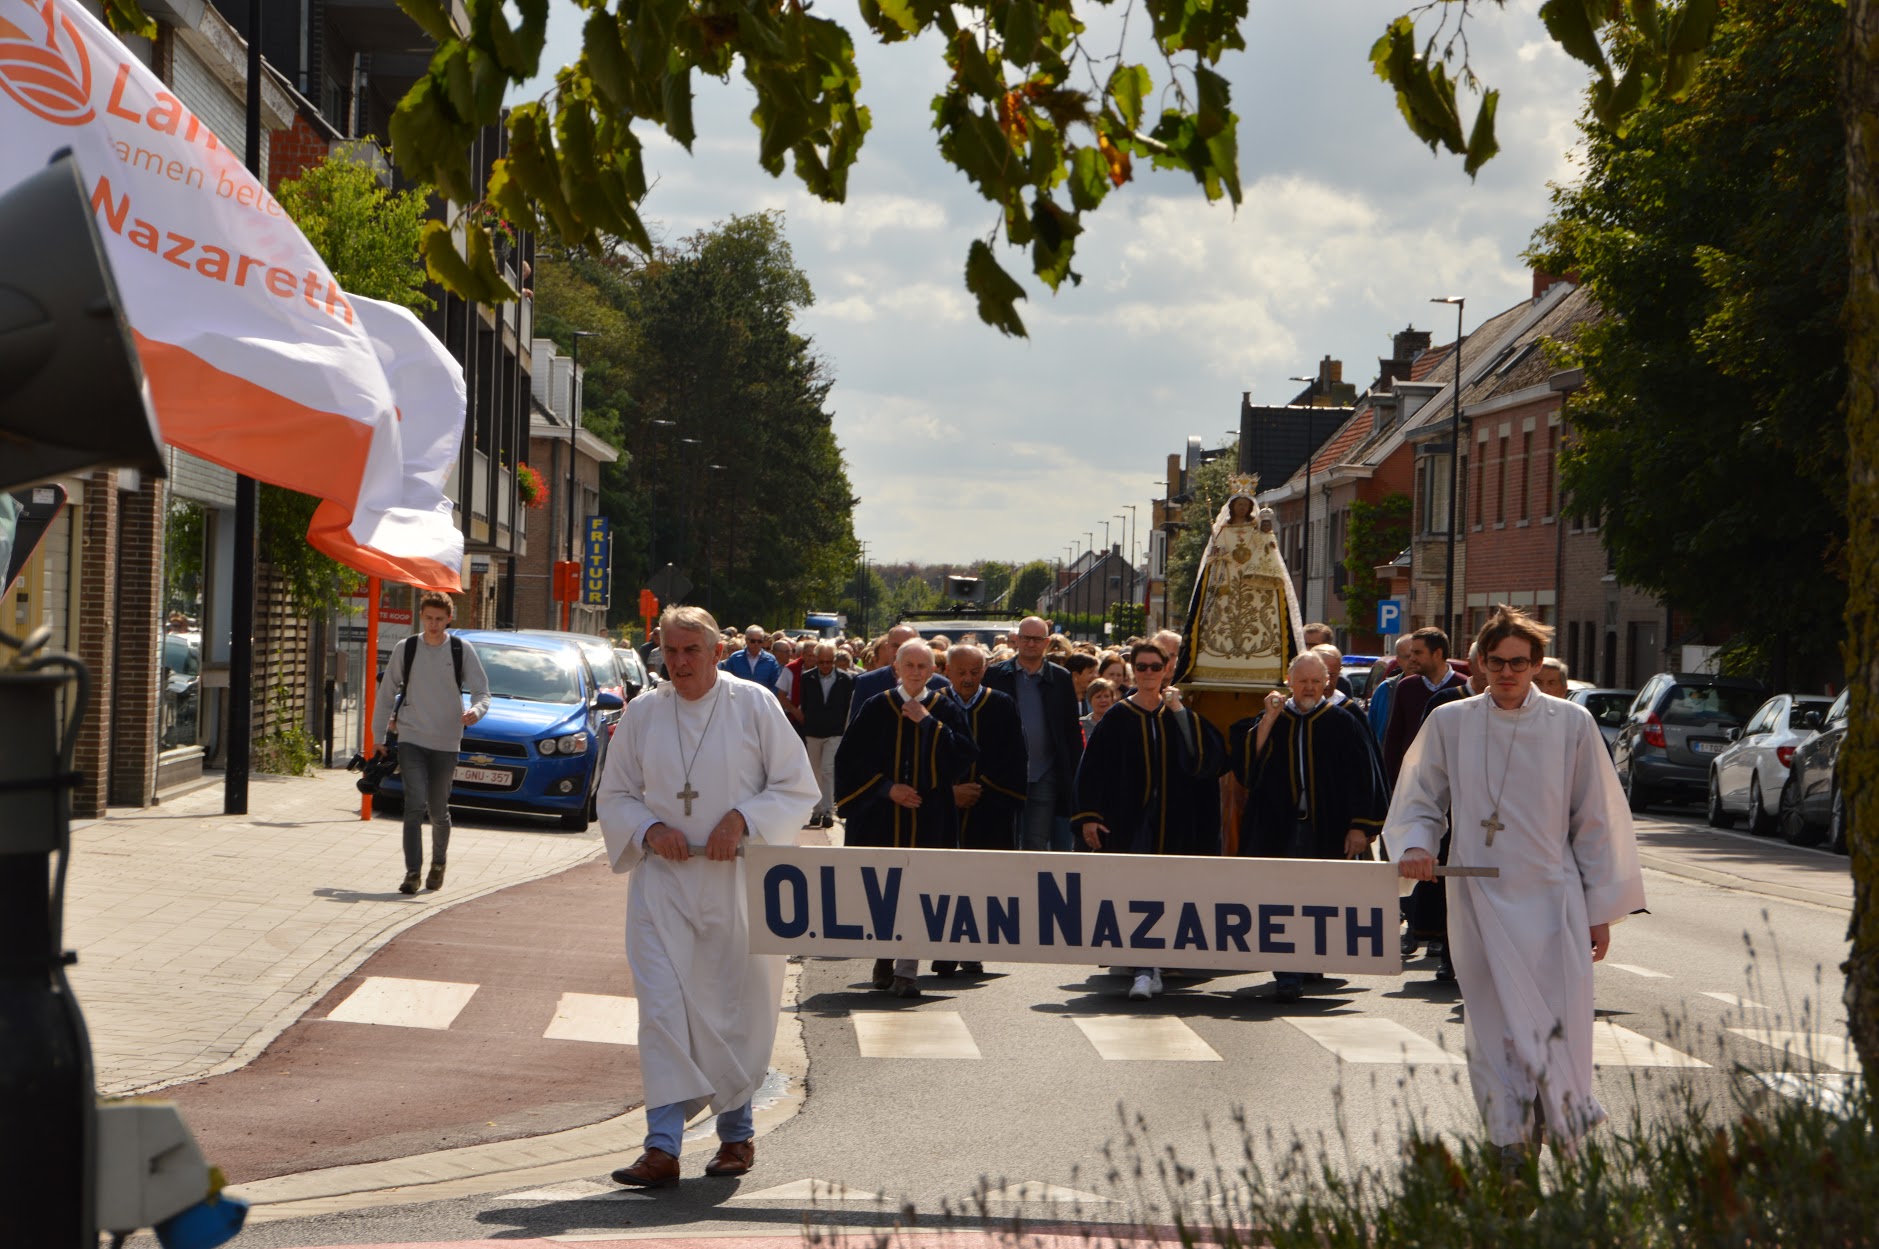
1119, 909
256, 359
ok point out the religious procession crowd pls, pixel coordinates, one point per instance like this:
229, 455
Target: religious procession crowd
1027, 742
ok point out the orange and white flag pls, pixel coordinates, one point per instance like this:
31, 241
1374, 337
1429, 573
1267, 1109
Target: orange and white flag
256, 358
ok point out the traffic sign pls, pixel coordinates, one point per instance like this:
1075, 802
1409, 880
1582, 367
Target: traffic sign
648, 604
670, 584
1389, 616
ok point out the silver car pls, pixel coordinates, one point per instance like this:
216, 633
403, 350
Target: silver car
1746, 778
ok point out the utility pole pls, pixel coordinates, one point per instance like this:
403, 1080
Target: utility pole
1454, 470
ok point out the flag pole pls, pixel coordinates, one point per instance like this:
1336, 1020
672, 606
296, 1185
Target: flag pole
369, 702
247, 510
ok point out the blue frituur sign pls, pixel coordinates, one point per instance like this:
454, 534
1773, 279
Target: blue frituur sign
1389, 616
597, 571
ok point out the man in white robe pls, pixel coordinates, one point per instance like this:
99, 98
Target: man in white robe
1532, 792
694, 769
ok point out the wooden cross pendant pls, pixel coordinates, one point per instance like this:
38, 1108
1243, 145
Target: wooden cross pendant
1492, 824
688, 793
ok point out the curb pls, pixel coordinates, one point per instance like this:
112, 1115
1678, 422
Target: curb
474, 1170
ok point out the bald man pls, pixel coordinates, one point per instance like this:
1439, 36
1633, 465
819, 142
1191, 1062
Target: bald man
878, 680
1053, 735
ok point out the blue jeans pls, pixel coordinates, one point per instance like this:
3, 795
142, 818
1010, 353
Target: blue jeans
1039, 825
665, 1126
427, 775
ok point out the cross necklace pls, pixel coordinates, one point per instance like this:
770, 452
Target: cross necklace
678, 736
1493, 822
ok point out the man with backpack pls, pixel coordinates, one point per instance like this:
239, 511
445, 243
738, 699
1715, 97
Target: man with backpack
420, 698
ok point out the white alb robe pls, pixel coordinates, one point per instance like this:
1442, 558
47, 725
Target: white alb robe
707, 1005
1521, 943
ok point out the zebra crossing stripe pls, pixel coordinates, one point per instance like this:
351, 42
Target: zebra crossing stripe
1635, 970
600, 1017
390, 1001
1156, 1037
1807, 1049
1613, 1046
1731, 999
1367, 1039
913, 1034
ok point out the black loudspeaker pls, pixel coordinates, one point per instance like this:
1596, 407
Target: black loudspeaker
72, 393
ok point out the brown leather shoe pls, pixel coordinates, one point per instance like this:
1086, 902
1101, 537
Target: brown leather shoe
733, 1158
883, 976
410, 884
435, 880
655, 1169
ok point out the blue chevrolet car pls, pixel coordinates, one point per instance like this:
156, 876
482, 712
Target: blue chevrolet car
540, 749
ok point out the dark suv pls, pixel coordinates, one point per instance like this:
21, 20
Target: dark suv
1677, 724
1810, 801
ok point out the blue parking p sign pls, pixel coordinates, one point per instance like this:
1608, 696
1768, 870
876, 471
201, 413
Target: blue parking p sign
1389, 616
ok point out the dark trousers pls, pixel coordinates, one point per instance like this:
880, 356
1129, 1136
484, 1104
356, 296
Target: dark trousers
427, 775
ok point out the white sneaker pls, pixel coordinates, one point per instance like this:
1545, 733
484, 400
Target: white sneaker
1146, 985
1154, 981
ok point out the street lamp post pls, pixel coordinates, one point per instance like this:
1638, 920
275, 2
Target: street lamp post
652, 492
1130, 508
574, 428
1089, 549
1454, 468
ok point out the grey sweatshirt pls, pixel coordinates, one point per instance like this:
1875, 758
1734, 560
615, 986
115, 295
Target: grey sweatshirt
432, 714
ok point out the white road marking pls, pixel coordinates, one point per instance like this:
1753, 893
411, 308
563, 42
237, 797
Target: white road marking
599, 1017
1367, 1039
913, 1034
1038, 1190
1832, 1091
1812, 1049
1613, 1046
397, 1003
811, 1190
1635, 970
576, 1190
1731, 999
1160, 1038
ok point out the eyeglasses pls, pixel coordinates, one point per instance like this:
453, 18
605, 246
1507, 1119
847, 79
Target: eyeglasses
1033, 637
1149, 667
1519, 663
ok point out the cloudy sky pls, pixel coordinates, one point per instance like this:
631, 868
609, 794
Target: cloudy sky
963, 444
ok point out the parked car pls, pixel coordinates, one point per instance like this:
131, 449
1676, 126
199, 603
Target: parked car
599, 653
1746, 779
1357, 670
541, 747
1678, 723
633, 672
1608, 707
180, 697
1811, 806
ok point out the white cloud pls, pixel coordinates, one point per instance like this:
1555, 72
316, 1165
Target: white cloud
962, 443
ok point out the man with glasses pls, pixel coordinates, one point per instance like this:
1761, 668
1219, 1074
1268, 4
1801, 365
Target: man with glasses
1053, 736
1527, 785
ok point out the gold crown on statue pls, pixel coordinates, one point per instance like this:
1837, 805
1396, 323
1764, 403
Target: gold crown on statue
1244, 483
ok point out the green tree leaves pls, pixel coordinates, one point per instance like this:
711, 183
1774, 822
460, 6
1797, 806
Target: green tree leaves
1713, 234
733, 473
1635, 49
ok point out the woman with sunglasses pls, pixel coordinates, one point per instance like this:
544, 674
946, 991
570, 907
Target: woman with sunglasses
1149, 781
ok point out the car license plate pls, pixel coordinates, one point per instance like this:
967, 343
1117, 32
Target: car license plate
1707, 748
485, 776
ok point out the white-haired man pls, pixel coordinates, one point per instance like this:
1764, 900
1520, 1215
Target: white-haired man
696, 767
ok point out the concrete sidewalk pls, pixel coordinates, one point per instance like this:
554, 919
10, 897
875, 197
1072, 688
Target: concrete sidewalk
201, 936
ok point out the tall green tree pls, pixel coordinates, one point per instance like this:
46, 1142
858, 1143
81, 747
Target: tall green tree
733, 474
1710, 432
1028, 584
368, 236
